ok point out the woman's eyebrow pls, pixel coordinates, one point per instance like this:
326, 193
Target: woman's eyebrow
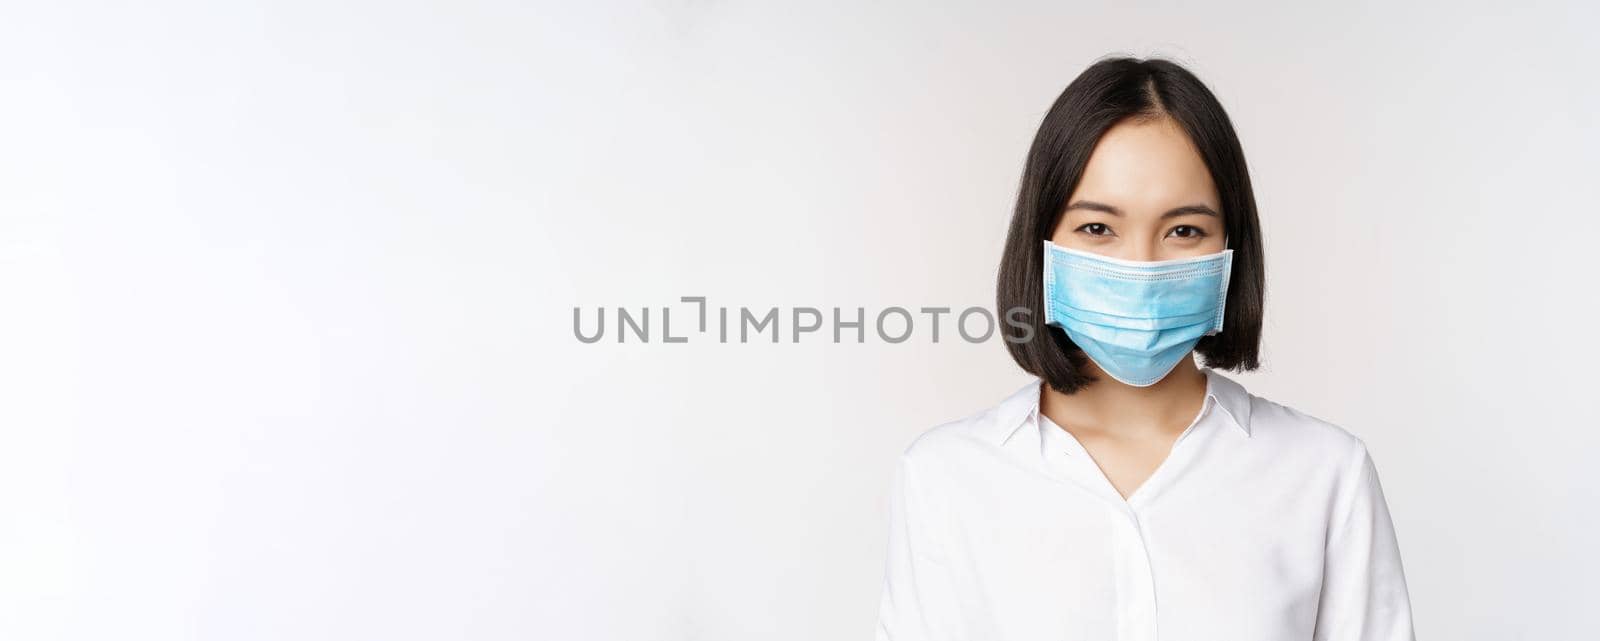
1191, 209
1094, 206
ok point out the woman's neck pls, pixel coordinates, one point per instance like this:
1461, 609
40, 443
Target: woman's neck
1110, 406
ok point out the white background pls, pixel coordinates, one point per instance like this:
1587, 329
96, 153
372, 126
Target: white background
286, 298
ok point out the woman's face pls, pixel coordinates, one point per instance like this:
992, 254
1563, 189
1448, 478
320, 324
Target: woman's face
1145, 195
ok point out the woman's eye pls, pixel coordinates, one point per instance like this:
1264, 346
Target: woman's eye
1187, 231
1095, 229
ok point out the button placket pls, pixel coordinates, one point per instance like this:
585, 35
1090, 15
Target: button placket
1066, 457
1136, 597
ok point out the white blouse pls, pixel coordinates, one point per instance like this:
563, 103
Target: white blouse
1262, 524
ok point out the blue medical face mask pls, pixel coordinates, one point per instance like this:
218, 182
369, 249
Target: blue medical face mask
1135, 319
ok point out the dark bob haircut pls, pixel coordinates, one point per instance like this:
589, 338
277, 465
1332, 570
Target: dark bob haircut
1106, 93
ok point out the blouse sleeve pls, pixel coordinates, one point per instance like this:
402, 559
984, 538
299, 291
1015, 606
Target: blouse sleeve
913, 604
1364, 595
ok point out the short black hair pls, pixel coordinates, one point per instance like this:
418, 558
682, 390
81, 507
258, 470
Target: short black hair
1108, 92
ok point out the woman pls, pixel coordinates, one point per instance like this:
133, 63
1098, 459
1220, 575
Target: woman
1128, 494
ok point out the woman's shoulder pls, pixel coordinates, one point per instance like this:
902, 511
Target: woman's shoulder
1288, 421
1285, 431
979, 431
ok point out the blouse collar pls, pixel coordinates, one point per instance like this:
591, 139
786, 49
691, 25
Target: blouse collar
1022, 407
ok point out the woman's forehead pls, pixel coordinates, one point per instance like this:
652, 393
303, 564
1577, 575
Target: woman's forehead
1146, 167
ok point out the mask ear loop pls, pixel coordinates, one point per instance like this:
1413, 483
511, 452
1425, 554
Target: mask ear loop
1227, 276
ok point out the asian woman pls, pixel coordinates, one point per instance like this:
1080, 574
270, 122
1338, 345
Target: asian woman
1127, 492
